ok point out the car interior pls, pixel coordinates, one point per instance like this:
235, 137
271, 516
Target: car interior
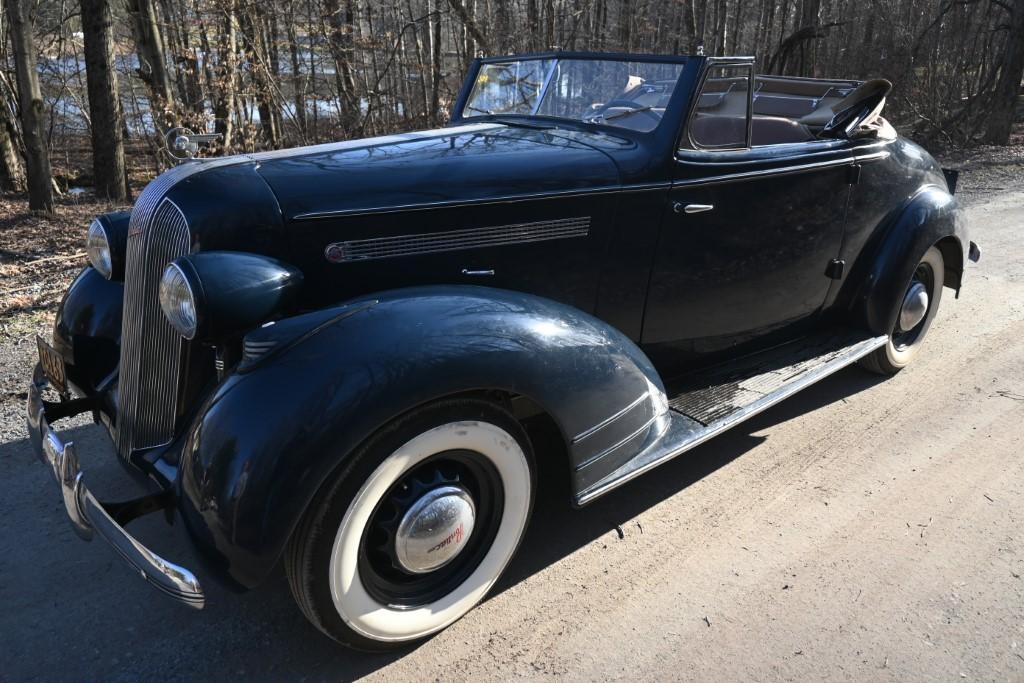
785, 109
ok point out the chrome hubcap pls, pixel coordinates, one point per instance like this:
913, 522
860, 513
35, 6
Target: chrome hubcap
915, 307
434, 529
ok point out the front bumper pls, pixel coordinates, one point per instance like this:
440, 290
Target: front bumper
88, 515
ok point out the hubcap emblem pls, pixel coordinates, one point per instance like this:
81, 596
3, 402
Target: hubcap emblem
915, 306
434, 529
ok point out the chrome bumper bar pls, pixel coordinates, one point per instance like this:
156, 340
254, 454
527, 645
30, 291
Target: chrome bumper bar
89, 516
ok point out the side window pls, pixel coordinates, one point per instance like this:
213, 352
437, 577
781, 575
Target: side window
721, 119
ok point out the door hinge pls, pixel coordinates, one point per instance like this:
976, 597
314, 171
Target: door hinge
853, 174
835, 269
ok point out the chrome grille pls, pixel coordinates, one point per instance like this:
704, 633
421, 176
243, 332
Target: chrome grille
151, 350
453, 240
150, 347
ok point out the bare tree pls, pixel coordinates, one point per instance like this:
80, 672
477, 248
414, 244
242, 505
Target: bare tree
1007, 89
37, 160
12, 170
152, 70
277, 73
104, 105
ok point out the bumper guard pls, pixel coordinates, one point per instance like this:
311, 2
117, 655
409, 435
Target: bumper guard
89, 516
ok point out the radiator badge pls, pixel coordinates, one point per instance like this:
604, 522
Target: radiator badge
334, 253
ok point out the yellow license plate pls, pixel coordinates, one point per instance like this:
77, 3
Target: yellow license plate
53, 366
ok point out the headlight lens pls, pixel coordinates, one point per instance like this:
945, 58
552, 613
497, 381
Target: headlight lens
178, 301
97, 247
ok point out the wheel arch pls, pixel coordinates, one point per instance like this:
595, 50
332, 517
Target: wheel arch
250, 467
931, 217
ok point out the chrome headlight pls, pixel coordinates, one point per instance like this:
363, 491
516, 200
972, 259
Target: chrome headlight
97, 247
178, 301
217, 295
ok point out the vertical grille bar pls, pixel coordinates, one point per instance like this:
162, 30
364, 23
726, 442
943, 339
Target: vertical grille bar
150, 347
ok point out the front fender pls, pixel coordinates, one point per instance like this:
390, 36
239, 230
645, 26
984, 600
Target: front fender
932, 216
87, 328
274, 431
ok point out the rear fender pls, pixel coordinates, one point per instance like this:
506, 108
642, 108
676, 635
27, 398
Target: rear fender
273, 432
931, 217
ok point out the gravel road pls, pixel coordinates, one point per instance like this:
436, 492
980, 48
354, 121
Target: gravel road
865, 529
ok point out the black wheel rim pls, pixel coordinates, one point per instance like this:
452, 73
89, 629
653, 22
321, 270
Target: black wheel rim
903, 339
381, 573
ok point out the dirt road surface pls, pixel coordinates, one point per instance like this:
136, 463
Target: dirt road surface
865, 529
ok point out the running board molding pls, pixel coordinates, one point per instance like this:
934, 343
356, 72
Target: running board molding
708, 403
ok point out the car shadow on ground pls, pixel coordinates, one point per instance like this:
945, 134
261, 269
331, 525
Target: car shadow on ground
113, 626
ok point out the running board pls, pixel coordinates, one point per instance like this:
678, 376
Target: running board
706, 403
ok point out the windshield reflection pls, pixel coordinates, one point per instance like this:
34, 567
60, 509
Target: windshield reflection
624, 94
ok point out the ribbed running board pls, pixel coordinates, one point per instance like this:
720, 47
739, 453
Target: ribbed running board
708, 402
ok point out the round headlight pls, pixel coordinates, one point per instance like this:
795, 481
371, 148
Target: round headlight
97, 247
178, 301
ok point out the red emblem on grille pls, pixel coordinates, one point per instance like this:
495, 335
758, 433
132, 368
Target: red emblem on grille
335, 253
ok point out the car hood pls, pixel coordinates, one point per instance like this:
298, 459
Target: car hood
471, 163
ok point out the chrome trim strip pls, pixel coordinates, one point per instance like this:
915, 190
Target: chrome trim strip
504, 199
760, 173
607, 421
373, 248
856, 353
619, 444
874, 156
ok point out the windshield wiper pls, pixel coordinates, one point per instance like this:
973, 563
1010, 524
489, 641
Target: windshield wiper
627, 113
478, 109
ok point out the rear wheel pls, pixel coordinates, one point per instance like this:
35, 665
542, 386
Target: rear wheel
917, 310
416, 528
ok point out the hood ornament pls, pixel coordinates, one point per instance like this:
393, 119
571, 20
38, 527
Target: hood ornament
183, 144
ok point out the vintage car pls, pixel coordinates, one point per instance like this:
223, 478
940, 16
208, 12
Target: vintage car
334, 357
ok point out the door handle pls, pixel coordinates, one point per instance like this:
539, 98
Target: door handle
477, 273
679, 207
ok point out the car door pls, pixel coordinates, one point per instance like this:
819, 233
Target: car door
749, 235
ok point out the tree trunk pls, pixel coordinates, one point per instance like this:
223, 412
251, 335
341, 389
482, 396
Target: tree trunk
258, 65
12, 170
340, 42
435, 61
298, 80
37, 162
225, 79
104, 105
152, 63
1007, 90
466, 17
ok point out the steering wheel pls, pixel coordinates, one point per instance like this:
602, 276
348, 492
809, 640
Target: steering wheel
629, 104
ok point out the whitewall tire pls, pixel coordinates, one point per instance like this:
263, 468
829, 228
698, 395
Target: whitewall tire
416, 529
923, 293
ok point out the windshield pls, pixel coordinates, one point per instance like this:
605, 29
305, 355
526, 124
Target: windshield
612, 92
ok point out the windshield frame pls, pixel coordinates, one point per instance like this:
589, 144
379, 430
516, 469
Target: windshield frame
459, 108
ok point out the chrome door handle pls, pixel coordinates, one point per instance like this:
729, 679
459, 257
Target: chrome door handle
477, 273
679, 207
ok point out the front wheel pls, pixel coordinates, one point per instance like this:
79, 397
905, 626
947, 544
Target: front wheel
917, 310
417, 526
